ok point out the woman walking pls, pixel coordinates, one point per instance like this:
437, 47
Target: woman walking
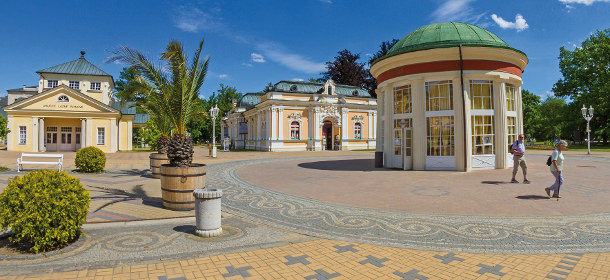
556, 168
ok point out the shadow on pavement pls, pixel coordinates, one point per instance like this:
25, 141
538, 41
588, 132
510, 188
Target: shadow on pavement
120, 195
494, 182
344, 165
532, 197
186, 229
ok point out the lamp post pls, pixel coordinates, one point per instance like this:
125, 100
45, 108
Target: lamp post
213, 114
588, 117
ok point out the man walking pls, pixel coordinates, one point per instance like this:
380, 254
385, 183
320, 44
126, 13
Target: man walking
518, 151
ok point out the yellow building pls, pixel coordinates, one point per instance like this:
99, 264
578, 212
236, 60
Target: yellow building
70, 108
449, 99
303, 116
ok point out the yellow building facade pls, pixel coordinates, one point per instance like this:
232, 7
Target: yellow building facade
302, 116
70, 108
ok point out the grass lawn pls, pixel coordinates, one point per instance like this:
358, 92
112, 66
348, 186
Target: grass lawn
136, 150
580, 147
2, 168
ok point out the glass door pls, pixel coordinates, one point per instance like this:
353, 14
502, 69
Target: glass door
51, 141
66, 139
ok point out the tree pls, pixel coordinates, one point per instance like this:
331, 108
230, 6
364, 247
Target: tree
384, 48
531, 114
3, 128
553, 123
586, 80
346, 70
175, 83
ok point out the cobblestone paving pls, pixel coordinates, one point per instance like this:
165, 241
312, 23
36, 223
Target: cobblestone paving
453, 233
319, 259
119, 244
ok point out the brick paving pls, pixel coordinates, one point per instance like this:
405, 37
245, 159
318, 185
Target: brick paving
167, 249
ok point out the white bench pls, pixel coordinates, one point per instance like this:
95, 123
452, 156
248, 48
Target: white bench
59, 162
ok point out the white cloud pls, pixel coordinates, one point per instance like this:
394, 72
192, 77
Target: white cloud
457, 10
278, 54
326, 1
585, 2
223, 76
298, 80
520, 24
194, 20
257, 57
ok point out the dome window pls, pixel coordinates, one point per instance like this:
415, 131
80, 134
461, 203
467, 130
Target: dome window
63, 98
293, 88
355, 93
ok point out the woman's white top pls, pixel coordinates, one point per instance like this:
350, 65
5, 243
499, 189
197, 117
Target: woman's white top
558, 156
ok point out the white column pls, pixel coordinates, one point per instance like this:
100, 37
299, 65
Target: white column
9, 137
35, 133
83, 132
129, 135
420, 126
501, 140
344, 121
89, 132
273, 123
370, 125
379, 138
41, 138
113, 136
280, 125
316, 128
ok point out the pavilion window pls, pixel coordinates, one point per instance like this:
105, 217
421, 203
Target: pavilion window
511, 92
63, 98
402, 100
52, 83
295, 130
481, 93
440, 136
74, 84
439, 96
482, 135
101, 136
95, 86
77, 130
23, 135
511, 125
357, 131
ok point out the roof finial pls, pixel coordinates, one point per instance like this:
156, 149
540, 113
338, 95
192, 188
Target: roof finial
82, 53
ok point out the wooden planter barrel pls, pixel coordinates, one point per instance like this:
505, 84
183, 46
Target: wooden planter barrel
156, 159
178, 183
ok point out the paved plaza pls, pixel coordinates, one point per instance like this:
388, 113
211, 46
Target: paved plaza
331, 215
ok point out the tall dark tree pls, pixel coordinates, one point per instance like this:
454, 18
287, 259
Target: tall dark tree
201, 129
346, 69
586, 80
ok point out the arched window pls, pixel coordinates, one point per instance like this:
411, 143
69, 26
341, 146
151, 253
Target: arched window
63, 98
295, 130
357, 131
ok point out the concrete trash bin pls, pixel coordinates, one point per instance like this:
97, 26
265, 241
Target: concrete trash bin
207, 212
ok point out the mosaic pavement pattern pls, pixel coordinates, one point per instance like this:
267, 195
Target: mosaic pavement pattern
327, 259
454, 233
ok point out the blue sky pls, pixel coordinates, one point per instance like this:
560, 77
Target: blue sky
252, 43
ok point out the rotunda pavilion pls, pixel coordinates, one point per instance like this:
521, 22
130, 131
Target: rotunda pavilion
449, 98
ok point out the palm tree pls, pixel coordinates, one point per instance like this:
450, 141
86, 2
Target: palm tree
174, 87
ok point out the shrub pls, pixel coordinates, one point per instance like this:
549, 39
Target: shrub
44, 208
90, 159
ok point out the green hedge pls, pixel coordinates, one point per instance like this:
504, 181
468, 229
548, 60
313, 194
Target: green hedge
90, 159
44, 208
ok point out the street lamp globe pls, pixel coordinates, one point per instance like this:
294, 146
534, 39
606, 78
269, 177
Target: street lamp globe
591, 110
584, 111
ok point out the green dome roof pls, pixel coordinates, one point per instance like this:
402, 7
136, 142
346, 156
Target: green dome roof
446, 35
